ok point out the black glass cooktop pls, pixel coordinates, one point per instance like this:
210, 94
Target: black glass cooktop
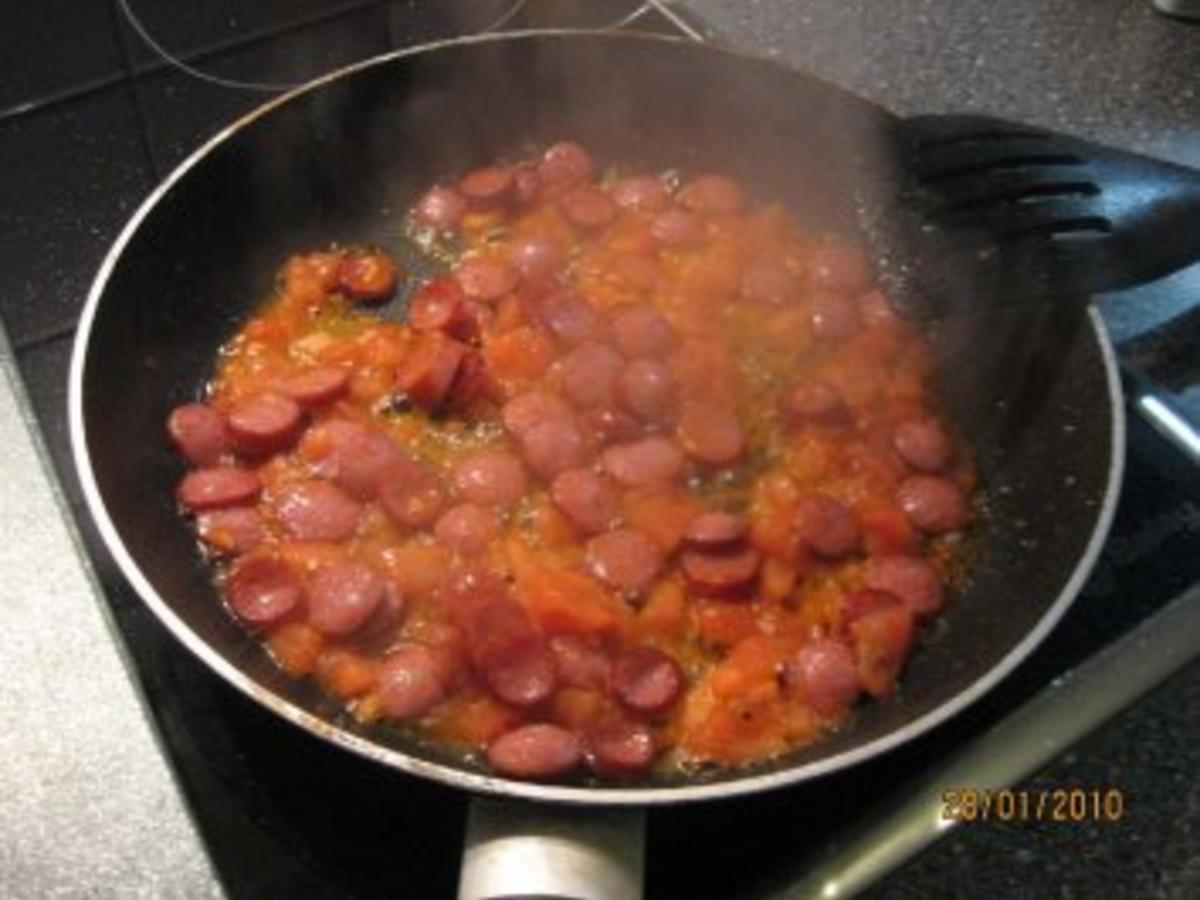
93, 125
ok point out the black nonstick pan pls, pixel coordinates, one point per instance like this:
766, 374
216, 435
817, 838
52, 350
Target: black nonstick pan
1034, 386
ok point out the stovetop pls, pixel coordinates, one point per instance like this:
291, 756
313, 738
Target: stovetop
95, 118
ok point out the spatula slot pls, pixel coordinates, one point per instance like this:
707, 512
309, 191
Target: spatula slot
999, 164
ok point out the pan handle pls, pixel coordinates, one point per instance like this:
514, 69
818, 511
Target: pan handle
514, 849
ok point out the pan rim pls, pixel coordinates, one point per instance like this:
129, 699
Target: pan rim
481, 782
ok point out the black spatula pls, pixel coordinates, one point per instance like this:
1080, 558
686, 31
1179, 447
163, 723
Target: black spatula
992, 212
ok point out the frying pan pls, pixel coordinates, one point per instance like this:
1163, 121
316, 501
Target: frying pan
1034, 388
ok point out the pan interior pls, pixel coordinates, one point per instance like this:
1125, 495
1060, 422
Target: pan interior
343, 162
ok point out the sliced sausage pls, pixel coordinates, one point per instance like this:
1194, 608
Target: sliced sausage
935, 505
642, 331
350, 455
646, 388
678, 229
441, 208
840, 267
437, 306
646, 680
369, 277
882, 641
828, 676
472, 382
565, 165
911, 578
625, 559
317, 386
413, 680
526, 410
536, 257
857, 604
263, 590
923, 444
487, 187
570, 318
719, 572
646, 463
411, 494
265, 423
316, 511
486, 278
713, 194
716, 529
827, 526
588, 208
536, 752
812, 402
642, 192
510, 655
216, 488
580, 665
198, 433
490, 478
387, 615
835, 316
589, 375
769, 280
467, 529
527, 185
605, 424
588, 500
552, 446
343, 597
231, 531
620, 749
711, 434
429, 369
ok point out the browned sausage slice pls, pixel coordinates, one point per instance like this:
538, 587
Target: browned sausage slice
232, 531
923, 444
350, 455
713, 194
646, 388
644, 192
490, 478
570, 318
441, 208
716, 529
621, 749
536, 257
317, 386
646, 680
565, 165
410, 493
711, 434
604, 424
579, 664
198, 433
264, 423
343, 597
828, 676
488, 187
413, 680
486, 278
717, 572
646, 463
437, 306
827, 526
589, 374
316, 511
467, 529
368, 277
536, 752
588, 500
642, 331
857, 604
625, 559
911, 578
816, 402
935, 505
218, 487
677, 228
552, 446
526, 410
263, 591
588, 208
428, 370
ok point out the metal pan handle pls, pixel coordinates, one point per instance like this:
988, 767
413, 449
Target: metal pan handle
514, 849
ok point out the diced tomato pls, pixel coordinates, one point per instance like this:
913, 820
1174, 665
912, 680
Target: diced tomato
562, 601
882, 640
296, 646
